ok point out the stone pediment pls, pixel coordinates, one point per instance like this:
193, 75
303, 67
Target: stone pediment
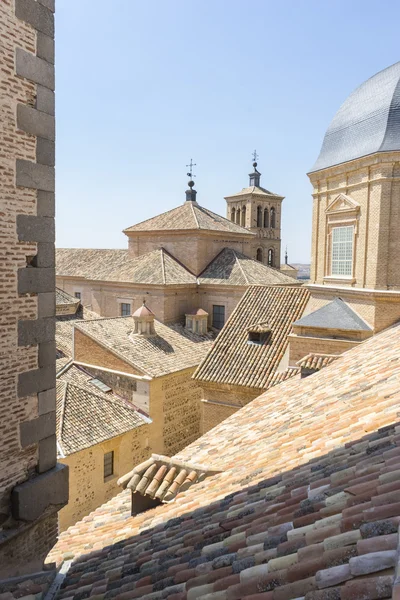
343, 203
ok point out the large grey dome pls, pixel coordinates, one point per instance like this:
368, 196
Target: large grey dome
367, 122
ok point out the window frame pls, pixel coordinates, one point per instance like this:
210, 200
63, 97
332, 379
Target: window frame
121, 309
343, 211
340, 246
78, 295
223, 312
107, 476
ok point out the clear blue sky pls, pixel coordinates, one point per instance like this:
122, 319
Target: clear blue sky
143, 86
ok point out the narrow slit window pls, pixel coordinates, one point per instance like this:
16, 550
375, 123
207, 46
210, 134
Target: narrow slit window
108, 464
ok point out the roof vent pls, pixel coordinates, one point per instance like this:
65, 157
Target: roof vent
144, 321
259, 334
196, 321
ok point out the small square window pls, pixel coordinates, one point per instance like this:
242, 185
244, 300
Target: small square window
125, 309
78, 295
108, 464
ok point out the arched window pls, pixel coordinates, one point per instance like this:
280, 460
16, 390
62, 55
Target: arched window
233, 215
259, 216
266, 218
270, 257
244, 216
238, 216
259, 254
272, 218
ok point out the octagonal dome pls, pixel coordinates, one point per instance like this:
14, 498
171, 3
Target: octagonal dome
367, 122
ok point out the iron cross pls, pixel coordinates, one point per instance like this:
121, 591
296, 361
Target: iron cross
191, 165
255, 156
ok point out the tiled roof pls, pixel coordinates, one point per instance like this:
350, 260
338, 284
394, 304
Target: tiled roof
86, 418
230, 267
189, 215
232, 359
172, 348
256, 191
65, 298
154, 268
65, 325
334, 315
162, 478
281, 376
307, 504
316, 361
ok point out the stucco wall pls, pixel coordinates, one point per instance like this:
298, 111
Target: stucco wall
88, 490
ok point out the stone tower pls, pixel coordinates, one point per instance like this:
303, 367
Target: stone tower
33, 486
260, 211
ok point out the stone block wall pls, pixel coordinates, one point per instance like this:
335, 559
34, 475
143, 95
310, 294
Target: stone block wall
220, 401
88, 489
27, 280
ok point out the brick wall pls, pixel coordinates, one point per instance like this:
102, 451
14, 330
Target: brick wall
300, 346
27, 315
220, 401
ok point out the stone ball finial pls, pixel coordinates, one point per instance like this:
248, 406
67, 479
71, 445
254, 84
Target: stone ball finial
254, 164
191, 183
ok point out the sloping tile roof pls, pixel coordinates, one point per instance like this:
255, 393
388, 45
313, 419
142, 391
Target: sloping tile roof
281, 376
65, 298
316, 361
256, 191
189, 215
86, 418
232, 360
65, 325
173, 348
162, 478
307, 505
230, 267
334, 315
154, 268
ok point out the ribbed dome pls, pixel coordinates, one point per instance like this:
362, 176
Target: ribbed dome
367, 122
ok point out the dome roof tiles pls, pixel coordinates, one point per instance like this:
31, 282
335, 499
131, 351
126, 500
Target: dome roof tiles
367, 122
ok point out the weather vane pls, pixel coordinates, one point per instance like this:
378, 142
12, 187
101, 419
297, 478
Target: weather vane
191, 165
255, 156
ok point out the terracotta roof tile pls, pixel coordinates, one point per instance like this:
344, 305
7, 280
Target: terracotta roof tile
65, 325
231, 267
316, 361
284, 515
154, 268
232, 359
172, 348
189, 215
65, 298
256, 191
162, 478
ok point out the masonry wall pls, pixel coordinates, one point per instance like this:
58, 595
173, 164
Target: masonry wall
194, 250
90, 352
220, 401
300, 346
175, 410
27, 278
222, 295
88, 489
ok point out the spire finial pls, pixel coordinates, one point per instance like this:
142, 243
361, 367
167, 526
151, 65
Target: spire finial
191, 193
191, 174
255, 158
255, 176
286, 256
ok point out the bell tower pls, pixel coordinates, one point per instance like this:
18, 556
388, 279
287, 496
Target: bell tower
259, 211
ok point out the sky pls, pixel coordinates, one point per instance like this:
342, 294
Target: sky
144, 86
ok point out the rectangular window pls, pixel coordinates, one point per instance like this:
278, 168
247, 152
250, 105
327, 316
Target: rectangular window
125, 309
218, 320
78, 295
108, 464
342, 251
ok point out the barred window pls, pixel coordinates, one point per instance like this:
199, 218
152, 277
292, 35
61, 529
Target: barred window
125, 309
108, 464
342, 250
218, 316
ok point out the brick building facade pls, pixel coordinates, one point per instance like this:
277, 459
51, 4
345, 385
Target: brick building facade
33, 486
